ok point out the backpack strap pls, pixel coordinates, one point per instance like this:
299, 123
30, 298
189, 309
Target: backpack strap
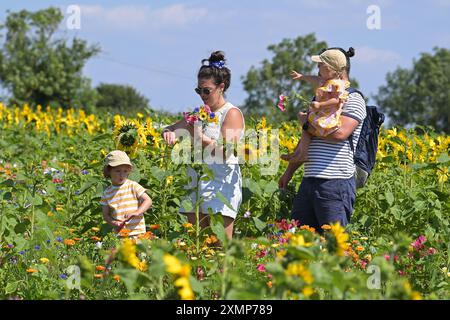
350, 137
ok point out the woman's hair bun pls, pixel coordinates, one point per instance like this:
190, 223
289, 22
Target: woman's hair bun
351, 52
217, 56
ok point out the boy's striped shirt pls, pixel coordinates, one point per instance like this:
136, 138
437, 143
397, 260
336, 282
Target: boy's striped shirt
334, 160
123, 200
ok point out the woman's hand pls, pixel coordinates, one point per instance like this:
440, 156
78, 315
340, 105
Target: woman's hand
302, 117
284, 180
295, 75
169, 137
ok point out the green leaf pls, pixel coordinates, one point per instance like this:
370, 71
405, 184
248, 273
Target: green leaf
389, 198
253, 186
259, 224
106, 136
11, 287
225, 201
35, 201
7, 196
135, 175
88, 184
443, 158
187, 205
7, 183
271, 187
218, 228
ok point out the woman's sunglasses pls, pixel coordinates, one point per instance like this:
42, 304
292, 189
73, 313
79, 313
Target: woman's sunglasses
205, 91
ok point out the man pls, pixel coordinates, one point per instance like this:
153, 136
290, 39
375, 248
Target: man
327, 192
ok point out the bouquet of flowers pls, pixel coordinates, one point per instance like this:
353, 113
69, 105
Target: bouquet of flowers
203, 114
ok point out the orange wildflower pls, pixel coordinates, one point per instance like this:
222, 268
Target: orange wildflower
124, 232
69, 242
100, 268
31, 270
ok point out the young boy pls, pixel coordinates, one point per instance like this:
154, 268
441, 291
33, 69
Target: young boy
125, 201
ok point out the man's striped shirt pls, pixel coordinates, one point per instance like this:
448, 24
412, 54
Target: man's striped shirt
334, 160
123, 199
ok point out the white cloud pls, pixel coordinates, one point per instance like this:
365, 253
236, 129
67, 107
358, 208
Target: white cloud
444, 3
372, 55
178, 14
132, 17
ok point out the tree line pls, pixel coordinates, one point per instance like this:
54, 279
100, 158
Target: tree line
36, 67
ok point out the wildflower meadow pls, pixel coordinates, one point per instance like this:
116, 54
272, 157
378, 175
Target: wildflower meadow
55, 244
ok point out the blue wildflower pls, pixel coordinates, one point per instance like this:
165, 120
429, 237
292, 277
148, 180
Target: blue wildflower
85, 172
37, 247
63, 276
59, 239
22, 252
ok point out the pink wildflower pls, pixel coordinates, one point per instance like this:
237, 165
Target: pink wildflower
261, 268
281, 103
418, 243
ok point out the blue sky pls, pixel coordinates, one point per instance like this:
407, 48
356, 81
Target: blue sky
157, 46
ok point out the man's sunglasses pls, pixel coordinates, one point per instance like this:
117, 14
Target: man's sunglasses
205, 91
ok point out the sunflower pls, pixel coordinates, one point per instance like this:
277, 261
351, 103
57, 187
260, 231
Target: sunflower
337, 240
129, 136
203, 116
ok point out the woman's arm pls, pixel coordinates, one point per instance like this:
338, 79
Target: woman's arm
232, 126
168, 133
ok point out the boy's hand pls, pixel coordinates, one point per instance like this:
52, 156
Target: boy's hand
128, 216
118, 225
295, 75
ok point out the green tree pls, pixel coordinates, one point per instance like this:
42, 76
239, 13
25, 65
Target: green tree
121, 99
421, 95
265, 84
36, 67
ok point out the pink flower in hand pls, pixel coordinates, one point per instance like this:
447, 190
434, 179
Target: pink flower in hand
282, 102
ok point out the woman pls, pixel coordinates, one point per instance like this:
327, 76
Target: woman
213, 81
